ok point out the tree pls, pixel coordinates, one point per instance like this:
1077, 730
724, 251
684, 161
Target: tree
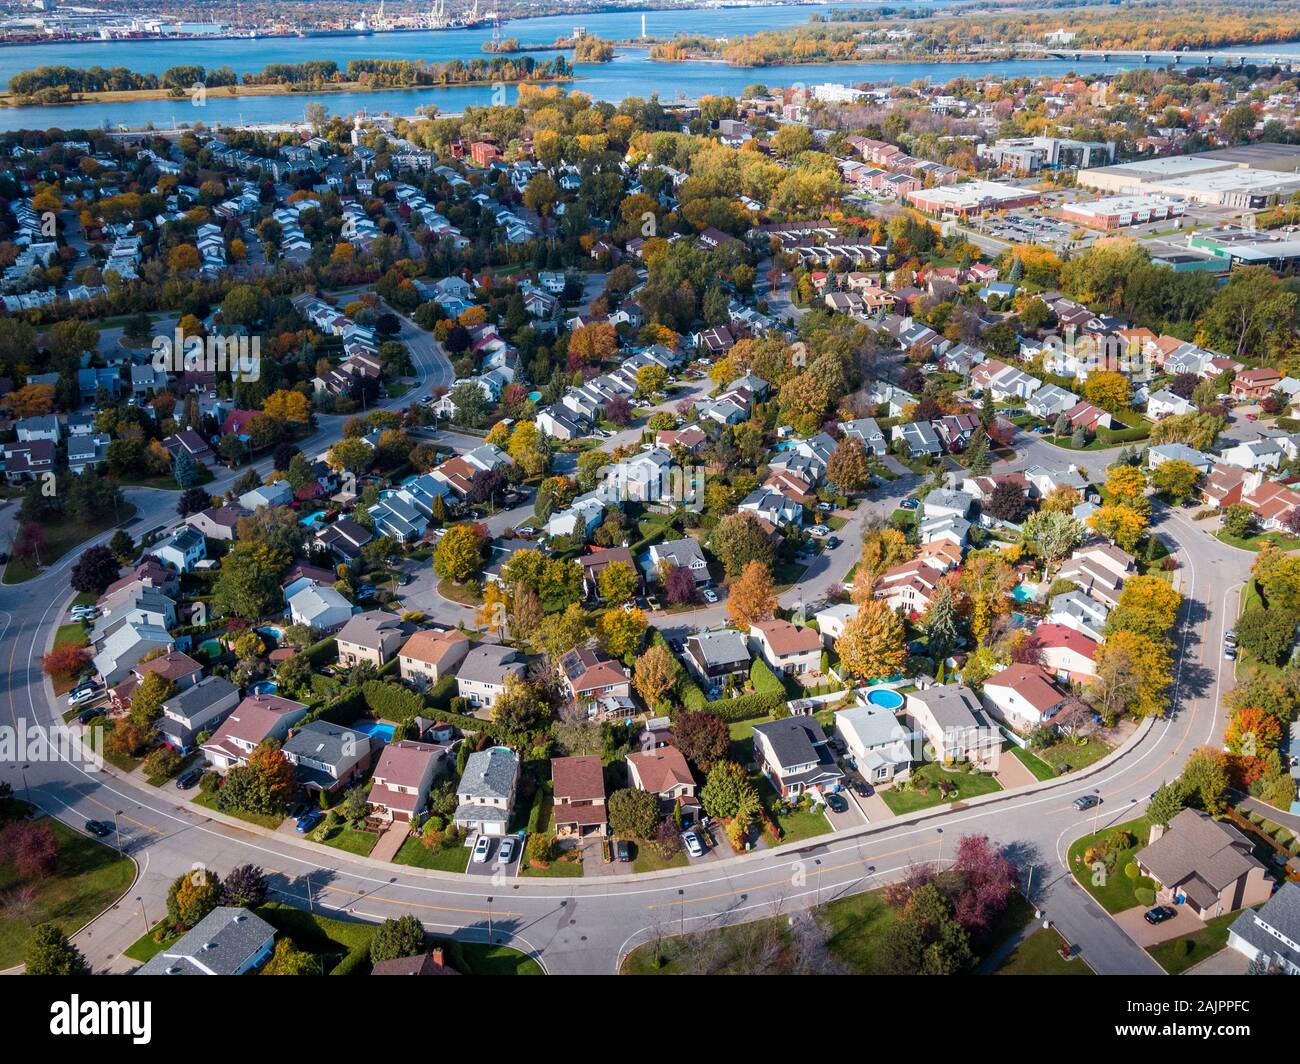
679, 585
1166, 803
1007, 502
288, 959
147, 699
633, 814
702, 738
1122, 525
1125, 484
848, 467
1238, 520
244, 885
192, 501
1147, 605
122, 546
1267, 634
1278, 577
95, 569
1133, 673
1252, 731
872, 646
882, 549
66, 661
1254, 312
192, 896
401, 937
752, 598
184, 470
1204, 779
1176, 480
727, 792
738, 540
939, 622
655, 674
33, 849
1108, 389
621, 631
351, 455
617, 583
1054, 534
459, 553
248, 584
50, 953
289, 407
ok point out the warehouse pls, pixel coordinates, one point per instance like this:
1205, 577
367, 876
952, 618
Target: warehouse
1115, 212
971, 197
1213, 180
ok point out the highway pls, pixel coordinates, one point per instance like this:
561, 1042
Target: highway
586, 925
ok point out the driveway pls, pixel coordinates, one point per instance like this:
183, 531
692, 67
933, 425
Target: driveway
1225, 962
852, 817
1012, 772
1145, 934
874, 808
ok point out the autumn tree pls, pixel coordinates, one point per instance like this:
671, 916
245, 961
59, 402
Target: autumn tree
1122, 525
1176, 480
459, 553
1147, 605
738, 540
872, 646
702, 738
848, 467
751, 598
633, 814
620, 631
655, 674
1133, 675
617, 583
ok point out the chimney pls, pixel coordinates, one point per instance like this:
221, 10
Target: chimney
1157, 830
437, 955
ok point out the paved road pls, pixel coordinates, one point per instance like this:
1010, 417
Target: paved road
584, 926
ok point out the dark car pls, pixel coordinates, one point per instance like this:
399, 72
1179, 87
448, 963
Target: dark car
623, 850
832, 543
909, 504
306, 823
98, 828
1159, 914
188, 779
87, 715
1086, 802
837, 803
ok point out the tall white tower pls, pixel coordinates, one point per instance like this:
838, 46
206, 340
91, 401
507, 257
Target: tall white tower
643, 25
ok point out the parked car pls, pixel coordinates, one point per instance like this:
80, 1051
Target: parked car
825, 507
1159, 914
836, 803
309, 821
1230, 652
525, 531
85, 694
623, 850
98, 828
832, 543
909, 504
188, 779
693, 844
819, 531
87, 715
1086, 802
1230, 637
482, 849
506, 853
710, 595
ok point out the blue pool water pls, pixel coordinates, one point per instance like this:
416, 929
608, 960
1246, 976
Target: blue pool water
263, 687
313, 520
886, 699
536, 397
375, 729
271, 630
1024, 592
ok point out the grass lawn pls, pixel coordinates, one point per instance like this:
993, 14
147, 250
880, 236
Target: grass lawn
71, 634
60, 538
1179, 954
209, 801
88, 877
349, 839
415, 853
1072, 755
1039, 954
797, 824
146, 947
649, 860
1040, 770
1113, 890
561, 868
969, 785
467, 594
1259, 541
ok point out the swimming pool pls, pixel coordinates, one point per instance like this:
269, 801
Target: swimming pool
885, 699
313, 520
1024, 592
376, 729
536, 397
271, 630
263, 687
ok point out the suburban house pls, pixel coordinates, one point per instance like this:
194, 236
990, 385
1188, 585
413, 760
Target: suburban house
681, 553
319, 606
402, 777
1252, 385
597, 562
588, 676
1066, 653
344, 539
578, 790
909, 586
832, 619
1205, 864
198, 708
327, 756
277, 493
256, 719
876, 740
1099, 569
790, 651
868, 432
664, 772
372, 637
429, 655
919, 438
1164, 403
795, 756
1074, 609
1271, 935
486, 791
217, 522
954, 725
1023, 696
482, 675
182, 550
228, 941
432, 962
181, 669
714, 655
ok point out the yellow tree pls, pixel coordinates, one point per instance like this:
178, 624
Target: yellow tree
620, 631
882, 549
493, 615
872, 646
751, 598
1133, 674
1147, 605
655, 674
1125, 483
1108, 389
986, 578
1122, 525
291, 407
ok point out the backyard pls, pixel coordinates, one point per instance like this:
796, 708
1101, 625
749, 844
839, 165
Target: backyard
923, 790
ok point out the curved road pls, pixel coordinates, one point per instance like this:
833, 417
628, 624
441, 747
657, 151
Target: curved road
585, 925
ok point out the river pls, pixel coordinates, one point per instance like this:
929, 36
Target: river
630, 74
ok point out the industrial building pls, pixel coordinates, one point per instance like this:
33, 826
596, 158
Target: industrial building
1116, 212
1029, 155
1232, 177
971, 197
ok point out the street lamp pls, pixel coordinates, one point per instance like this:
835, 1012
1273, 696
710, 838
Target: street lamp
818, 862
681, 903
489, 902
1096, 815
939, 832
140, 899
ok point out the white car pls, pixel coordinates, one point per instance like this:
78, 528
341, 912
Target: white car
84, 613
819, 531
83, 694
693, 845
482, 849
709, 595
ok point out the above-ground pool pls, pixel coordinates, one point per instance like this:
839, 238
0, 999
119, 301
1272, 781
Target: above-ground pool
1024, 592
263, 687
376, 729
885, 699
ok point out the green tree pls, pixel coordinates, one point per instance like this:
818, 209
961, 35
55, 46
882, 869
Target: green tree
401, 937
633, 814
50, 953
459, 553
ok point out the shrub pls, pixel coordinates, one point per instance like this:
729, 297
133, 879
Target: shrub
391, 702
1145, 896
1131, 870
763, 679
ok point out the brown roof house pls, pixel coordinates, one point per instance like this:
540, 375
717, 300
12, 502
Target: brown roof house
402, 778
372, 637
256, 719
430, 655
789, 650
589, 677
1205, 864
578, 787
431, 963
1023, 695
664, 772
180, 668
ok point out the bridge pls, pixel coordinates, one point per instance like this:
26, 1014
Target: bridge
1222, 57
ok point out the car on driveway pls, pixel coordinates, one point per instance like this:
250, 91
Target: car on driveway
85, 694
909, 504
482, 849
99, 828
506, 853
693, 844
1159, 914
309, 821
623, 850
836, 803
1088, 801
709, 595
188, 779
819, 531
87, 715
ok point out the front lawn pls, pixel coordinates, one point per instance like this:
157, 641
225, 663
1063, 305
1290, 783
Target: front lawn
1039, 954
467, 594
347, 838
438, 858
263, 820
1179, 954
1069, 756
1259, 541
147, 947
61, 537
648, 859
923, 790
1030, 760
71, 634
88, 877
1104, 877
797, 823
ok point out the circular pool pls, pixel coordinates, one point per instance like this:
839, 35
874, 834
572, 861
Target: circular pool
886, 699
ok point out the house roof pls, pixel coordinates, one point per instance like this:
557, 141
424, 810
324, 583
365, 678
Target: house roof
1059, 637
793, 740
328, 743
432, 646
1031, 683
489, 774
661, 769
490, 663
374, 630
222, 943
951, 705
784, 638
1195, 845
586, 670
1275, 928
579, 779
403, 763
722, 646
430, 963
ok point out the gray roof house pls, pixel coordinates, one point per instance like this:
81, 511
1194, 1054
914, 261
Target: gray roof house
954, 724
197, 709
125, 646
683, 553
796, 756
228, 941
878, 742
919, 437
714, 655
482, 675
1050, 401
327, 756
1271, 935
868, 432
486, 791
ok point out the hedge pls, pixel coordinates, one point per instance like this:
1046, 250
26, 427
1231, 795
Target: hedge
357, 962
747, 707
390, 702
318, 653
